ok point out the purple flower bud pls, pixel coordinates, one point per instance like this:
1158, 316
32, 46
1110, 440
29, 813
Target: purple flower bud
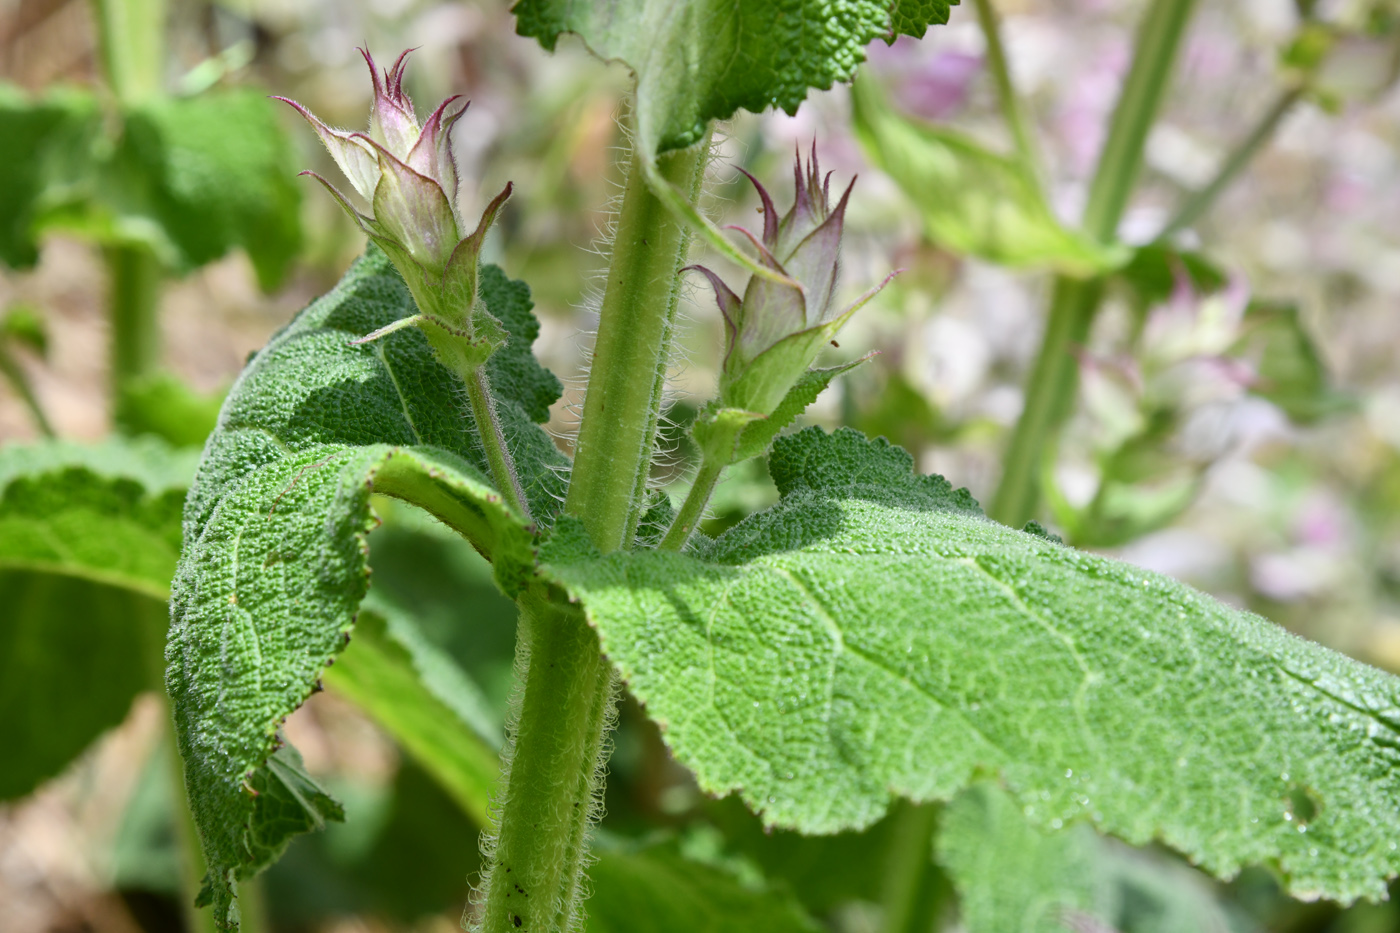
778, 328
406, 175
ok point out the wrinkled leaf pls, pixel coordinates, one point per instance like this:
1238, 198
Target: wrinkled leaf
972, 201
274, 562
701, 60
88, 541
658, 890
873, 634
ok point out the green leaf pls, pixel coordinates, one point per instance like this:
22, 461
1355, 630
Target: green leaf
426, 703
161, 404
191, 178
873, 635
659, 890
1289, 366
274, 563
1153, 273
1011, 875
88, 541
35, 135
972, 201
756, 437
701, 60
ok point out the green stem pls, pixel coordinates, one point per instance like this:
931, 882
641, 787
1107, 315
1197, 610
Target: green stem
14, 374
192, 864
612, 458
488, 427
1011, 106
551, 770
1055, 377
131, 38
916, 892
693, 508
134, 285
1240, 157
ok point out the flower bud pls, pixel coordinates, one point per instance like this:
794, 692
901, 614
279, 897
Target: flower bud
777, 329
406, 174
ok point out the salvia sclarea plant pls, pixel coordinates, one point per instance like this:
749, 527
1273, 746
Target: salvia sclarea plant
872, 636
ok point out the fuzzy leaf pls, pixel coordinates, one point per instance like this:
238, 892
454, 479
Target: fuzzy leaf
972, 201
659, 890
274, 564
873, 635
756, 437
88, 541
701, 60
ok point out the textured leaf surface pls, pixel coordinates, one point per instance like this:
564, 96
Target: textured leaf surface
274, 563
872, 635
88, 541
1012, 876
658, 890
701, 60
972, 201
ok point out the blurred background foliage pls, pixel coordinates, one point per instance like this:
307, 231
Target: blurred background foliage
1237, 423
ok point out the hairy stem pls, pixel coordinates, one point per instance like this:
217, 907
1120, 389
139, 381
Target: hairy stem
1201, 201
612, 459
1055, 377
1012, 110
693, 508
552, 770
488, 427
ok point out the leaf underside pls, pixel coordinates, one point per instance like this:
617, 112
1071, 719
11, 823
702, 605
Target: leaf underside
873, 635
701, 60
274, 563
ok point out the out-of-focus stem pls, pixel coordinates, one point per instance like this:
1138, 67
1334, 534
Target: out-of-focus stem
133, 288
916, 893
1012, 109
15, 376
1239, 158
131, 40
1054, 380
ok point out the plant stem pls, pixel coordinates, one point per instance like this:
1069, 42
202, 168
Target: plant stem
551, 770
15, 375
612, 459
915, 890
1012, 110
1249, 147
134, 277
488, 427
1054, 379
192, 864
693, 508
131, 37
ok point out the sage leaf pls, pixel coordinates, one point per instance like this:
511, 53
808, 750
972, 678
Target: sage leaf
873, 635
701, 60
972, 201
88, 542
274, 562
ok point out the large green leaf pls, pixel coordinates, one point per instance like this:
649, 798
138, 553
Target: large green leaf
191, 178
701, 60
274, 563
972, 201
88, 542
659, 890
874, 635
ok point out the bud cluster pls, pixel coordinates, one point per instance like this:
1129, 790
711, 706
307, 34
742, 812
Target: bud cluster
405, 172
